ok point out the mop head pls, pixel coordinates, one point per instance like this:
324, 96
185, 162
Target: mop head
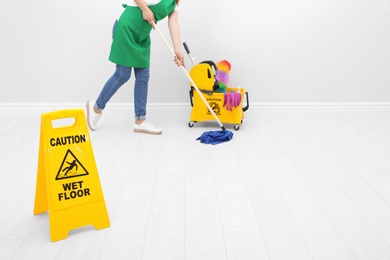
215, 137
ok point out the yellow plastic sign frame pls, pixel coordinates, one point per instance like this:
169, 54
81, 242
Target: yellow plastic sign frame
68, 185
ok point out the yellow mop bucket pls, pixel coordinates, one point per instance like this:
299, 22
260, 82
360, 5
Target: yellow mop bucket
210, 101
68, 185
217, 101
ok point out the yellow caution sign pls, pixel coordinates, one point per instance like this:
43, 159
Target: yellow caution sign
68, 185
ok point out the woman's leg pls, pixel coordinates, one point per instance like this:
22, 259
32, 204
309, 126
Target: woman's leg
141, 92
94, 109
140, 101
121, 76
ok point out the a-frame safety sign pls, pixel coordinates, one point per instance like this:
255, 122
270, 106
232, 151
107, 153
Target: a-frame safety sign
68, 185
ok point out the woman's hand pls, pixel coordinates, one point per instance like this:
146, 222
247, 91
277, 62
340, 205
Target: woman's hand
148, 16
179, 58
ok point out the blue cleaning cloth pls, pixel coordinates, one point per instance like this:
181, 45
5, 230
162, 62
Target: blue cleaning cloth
215, 137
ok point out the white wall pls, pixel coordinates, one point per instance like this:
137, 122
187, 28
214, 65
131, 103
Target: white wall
280, 50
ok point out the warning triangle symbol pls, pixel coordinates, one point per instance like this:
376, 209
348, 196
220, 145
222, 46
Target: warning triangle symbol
70, 167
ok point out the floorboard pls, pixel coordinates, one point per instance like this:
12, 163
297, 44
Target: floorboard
282, 188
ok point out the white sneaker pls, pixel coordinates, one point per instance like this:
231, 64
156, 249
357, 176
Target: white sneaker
92, 116
146, 127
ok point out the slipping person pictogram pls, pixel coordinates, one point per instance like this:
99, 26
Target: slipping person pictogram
70, 167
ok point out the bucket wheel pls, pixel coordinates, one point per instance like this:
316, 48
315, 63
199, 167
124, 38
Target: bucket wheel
237, 127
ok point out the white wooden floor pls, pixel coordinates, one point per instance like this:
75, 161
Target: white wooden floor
283, 188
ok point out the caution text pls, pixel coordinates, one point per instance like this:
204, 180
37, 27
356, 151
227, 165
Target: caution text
66, 140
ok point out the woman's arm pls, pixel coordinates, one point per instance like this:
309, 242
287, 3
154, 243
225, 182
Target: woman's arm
174, 29
147, 14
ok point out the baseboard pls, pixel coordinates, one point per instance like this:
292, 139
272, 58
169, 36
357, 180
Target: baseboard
374, 109
184, 109
113, 109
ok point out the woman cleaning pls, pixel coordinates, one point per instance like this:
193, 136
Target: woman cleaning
130, 51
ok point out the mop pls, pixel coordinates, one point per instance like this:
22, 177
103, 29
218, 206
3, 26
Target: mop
209, 137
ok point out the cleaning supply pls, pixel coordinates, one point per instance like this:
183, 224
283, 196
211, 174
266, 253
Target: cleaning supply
227, 100
215, 137
223, 71
232, 100
210, 134
222, 75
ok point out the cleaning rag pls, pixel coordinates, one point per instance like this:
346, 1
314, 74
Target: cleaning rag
215, 137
